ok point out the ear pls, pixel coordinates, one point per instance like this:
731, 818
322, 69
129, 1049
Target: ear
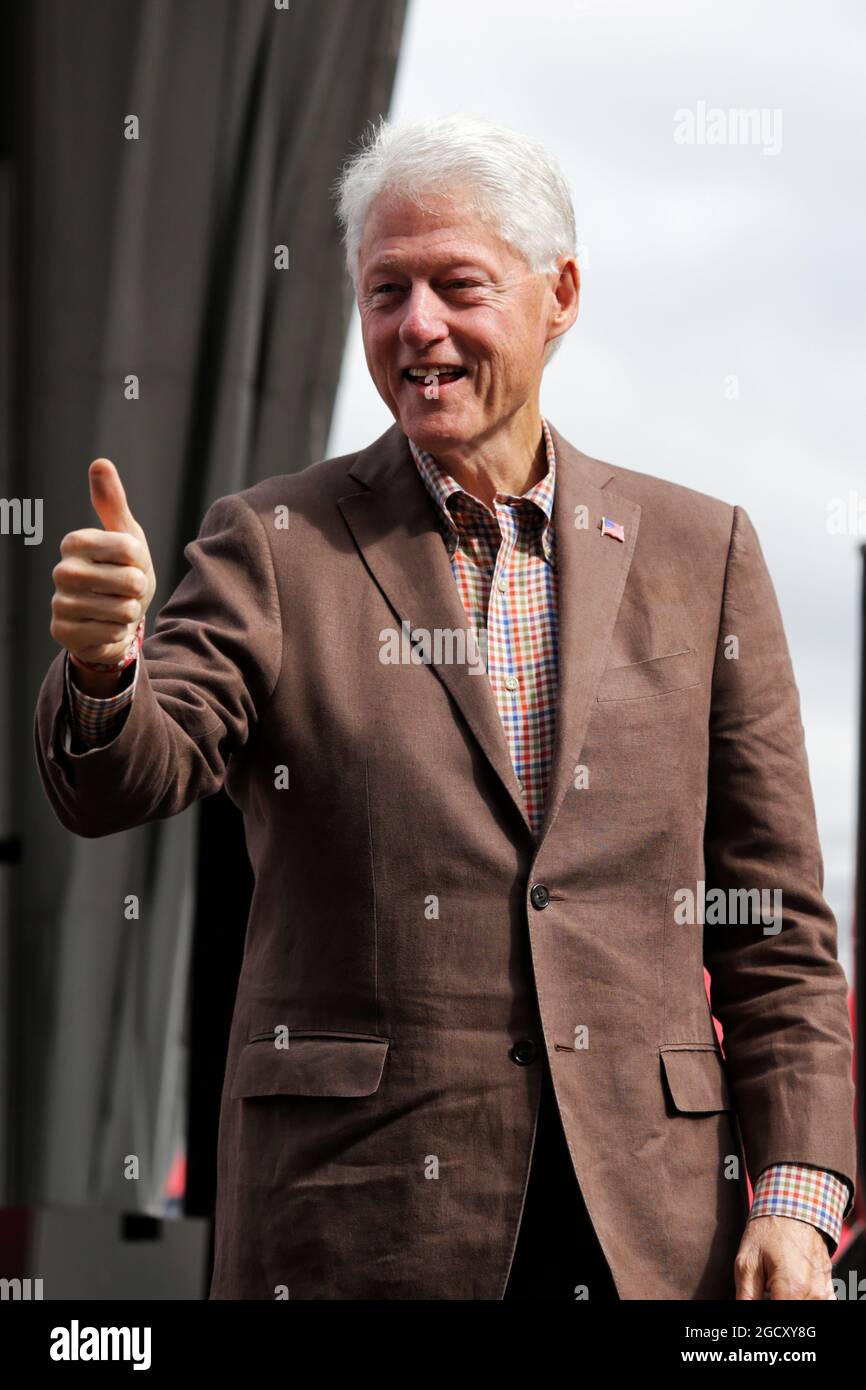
566, 289
565, 286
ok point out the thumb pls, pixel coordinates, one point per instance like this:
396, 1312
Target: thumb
109, 499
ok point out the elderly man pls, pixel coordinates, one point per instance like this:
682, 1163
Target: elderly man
472, 1053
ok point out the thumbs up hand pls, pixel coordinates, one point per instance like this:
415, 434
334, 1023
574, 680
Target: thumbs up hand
104, 583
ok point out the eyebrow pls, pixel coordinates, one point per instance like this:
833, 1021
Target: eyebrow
387, 266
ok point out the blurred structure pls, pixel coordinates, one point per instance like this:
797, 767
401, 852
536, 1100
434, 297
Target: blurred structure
175, 300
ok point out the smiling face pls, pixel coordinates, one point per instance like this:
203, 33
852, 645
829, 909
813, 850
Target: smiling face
438, 287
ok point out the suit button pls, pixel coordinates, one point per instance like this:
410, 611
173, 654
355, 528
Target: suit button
539, 895
523, 1052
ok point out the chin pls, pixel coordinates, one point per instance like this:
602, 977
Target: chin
431, 437
437, 424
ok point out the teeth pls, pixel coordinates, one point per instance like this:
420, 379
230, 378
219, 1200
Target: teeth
430, 371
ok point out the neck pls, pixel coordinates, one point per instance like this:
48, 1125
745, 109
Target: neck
511, 459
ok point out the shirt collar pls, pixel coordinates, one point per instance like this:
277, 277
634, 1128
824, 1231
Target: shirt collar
442, 486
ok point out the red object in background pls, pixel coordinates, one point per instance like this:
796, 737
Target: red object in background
175, 1183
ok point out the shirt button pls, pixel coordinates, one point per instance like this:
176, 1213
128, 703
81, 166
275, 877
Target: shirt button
502, 585
510, 682
539, 895
523, 1052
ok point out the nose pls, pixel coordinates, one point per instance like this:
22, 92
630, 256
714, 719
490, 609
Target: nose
422, 321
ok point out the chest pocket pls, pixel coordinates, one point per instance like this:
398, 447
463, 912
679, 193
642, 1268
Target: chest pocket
658, 675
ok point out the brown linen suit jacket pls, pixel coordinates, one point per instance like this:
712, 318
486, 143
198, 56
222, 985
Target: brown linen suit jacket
397, 931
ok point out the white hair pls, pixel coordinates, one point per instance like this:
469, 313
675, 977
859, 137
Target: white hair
514, 184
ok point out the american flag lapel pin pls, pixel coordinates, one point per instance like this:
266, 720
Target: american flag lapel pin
612, 528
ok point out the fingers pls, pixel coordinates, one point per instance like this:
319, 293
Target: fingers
92, 608
96, 606
777, 1268
74, 577
750, 1287
94, 628
106, 547
91, 640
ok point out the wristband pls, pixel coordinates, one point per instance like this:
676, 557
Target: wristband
128, 657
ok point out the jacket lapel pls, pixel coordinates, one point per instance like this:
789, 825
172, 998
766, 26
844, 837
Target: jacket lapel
394, 526
591, 571
393, 522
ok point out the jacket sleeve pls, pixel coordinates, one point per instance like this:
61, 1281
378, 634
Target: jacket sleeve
779, 992
205, 675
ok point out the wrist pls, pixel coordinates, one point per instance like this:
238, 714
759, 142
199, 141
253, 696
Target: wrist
100, 684
112, 669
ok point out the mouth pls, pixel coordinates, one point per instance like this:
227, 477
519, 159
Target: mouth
436, 380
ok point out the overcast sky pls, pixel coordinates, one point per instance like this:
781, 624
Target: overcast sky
701, 263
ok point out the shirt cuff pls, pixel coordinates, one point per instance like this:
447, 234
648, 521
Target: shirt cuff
95, 720
805, 1193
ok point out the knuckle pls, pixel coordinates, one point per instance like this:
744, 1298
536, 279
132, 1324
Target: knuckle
71, 542
66, 578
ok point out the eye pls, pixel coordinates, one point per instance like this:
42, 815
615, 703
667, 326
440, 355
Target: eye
384, 289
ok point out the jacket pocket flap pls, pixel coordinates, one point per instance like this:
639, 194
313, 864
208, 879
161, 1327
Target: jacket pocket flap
696, 1077
658, 675
322, 1064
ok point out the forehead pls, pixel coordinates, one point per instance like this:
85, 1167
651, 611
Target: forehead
398, 233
